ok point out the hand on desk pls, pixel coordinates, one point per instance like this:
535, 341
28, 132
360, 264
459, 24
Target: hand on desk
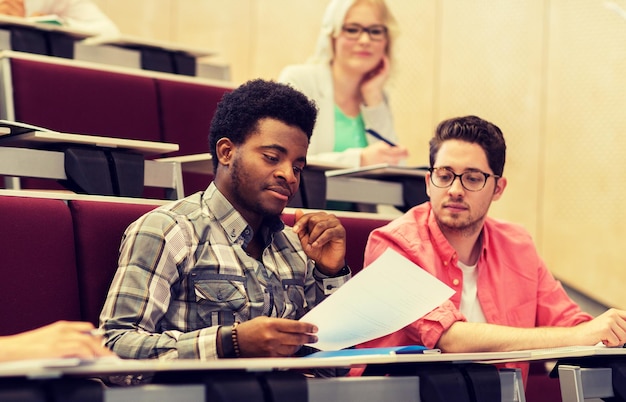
60, 339
14, 8
379, 152
608, 328
273, 337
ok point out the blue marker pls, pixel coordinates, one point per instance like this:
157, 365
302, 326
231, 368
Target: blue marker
380, 137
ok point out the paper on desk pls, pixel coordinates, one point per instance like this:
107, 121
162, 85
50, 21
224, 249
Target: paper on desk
389, 294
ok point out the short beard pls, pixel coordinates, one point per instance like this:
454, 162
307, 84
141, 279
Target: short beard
464, 229
238, 178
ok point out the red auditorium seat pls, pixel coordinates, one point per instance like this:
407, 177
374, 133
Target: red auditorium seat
98, 228
39, 281
186, 113
84, 101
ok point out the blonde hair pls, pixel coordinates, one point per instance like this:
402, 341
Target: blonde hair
333, 20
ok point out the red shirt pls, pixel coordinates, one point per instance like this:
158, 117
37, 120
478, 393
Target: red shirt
514, 286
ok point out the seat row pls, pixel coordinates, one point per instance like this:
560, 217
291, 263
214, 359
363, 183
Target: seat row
59, 256
89, 98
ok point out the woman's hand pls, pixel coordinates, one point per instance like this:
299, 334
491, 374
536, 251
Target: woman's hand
60, 339
379, 152
373, 83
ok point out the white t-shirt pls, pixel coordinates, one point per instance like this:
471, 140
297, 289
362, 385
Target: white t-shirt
470, 307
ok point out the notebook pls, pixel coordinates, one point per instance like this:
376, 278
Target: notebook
394, 350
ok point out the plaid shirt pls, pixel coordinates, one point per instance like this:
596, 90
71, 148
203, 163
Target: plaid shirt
183, 271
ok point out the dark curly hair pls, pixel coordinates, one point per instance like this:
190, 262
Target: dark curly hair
239, 112
474, 130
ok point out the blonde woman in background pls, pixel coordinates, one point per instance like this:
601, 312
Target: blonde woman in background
346, 79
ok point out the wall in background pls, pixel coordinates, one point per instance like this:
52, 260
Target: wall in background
550, 73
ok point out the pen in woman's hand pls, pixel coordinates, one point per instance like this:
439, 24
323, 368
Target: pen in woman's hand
380, 137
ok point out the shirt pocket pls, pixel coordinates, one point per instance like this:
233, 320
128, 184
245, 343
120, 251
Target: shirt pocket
224, 294
295, 300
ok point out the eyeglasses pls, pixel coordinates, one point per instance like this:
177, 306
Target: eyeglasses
472, 180
375, 32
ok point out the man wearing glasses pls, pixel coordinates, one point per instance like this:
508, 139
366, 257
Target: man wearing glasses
506, 299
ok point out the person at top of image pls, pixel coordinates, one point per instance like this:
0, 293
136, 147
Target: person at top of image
346, 78
84, 15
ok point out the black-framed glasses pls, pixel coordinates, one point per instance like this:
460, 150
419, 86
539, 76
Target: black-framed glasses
375, 32
471, 180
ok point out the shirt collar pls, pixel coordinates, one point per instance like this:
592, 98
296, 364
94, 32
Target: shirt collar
231, 221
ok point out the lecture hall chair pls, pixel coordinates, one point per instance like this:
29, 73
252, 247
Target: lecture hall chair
82, 100
186, 112
38, 268
98, 228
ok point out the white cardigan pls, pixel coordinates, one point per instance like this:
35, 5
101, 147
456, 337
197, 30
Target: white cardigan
315, 81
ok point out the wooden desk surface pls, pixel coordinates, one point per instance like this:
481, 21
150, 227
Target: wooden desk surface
9, 21
379, 171
49, 368
196, 163
133, 42
36, 139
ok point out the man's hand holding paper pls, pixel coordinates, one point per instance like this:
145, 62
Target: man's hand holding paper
389, 294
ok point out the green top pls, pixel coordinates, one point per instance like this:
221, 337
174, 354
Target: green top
349, 131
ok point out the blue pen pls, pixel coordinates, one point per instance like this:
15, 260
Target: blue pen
380, 137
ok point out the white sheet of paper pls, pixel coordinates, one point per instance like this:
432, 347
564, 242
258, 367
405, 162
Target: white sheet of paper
389, 294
